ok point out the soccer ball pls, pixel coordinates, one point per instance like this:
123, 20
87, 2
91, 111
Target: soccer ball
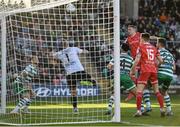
70, 7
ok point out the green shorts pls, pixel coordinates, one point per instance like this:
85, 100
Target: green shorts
126, 82
164, 81
19, 89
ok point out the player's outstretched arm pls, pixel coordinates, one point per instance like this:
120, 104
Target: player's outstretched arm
110, 65
174, 66
81, 50
54, 54
15, 75
85, 51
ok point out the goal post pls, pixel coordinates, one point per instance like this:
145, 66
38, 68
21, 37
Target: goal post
117, 114
42, 30
3, 64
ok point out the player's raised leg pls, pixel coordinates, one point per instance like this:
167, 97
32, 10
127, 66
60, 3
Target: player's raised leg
32, 96
24, 99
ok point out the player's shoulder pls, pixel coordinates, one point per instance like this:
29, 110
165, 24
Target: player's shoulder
77, 50
30, 66
73, 48
147, 45
66, 50
163, 50
126, 56
138, 34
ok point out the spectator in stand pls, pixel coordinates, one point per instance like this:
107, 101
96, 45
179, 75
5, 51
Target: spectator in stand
156, 17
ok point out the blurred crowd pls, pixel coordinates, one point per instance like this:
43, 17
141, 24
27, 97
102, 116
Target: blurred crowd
157, 17
10, 6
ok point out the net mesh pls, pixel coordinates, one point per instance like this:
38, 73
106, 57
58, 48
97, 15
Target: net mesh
87, 24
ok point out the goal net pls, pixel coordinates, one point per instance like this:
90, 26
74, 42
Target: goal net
36, 63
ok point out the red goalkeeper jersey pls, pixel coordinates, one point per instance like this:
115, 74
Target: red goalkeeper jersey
134, 42
148, 59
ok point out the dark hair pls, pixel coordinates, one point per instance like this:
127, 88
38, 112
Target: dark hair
162, 41
133, 26
145, 36
125, 47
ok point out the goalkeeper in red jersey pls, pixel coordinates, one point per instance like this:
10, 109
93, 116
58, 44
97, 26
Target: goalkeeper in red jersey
146, 58
133, 41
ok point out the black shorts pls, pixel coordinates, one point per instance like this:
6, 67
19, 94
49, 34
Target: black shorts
77, 76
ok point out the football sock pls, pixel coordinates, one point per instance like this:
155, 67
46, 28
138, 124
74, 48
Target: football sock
160, 99
139, 100
74, 101
142, 106
22, 102
167, 102
146, 97
111, 102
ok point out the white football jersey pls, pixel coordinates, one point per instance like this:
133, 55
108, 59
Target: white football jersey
70, 59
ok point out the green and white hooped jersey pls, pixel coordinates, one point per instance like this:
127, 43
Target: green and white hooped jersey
167, 67
126, 62
31, 71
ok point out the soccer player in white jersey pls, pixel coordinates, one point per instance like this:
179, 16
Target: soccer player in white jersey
69, 57
22, 87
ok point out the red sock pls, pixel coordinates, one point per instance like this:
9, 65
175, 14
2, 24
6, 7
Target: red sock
160, 99
138, 100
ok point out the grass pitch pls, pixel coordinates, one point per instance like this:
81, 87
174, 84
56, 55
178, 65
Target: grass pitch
49, 113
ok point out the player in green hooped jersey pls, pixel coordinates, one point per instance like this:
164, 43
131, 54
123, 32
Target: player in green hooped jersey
22, 87
165, 73
126, 62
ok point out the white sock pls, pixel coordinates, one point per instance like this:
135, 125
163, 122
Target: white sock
146, 96
142, 106
111, 102
16, 109
168, 103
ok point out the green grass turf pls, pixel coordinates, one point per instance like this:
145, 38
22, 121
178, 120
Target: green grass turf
91, 112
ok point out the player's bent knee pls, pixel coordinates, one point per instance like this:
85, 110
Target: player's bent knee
140, 87
156, 88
